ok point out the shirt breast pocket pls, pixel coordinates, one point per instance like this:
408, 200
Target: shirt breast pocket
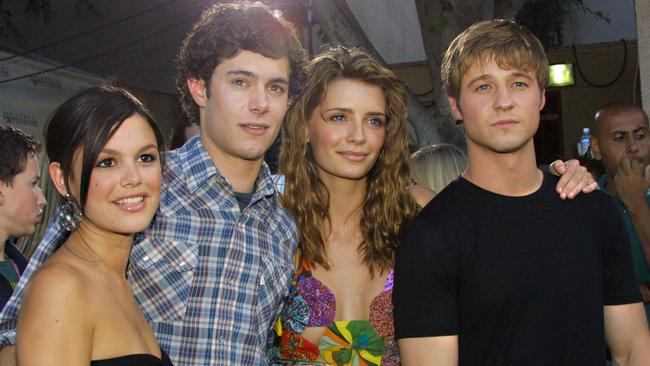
161, 274
273, 288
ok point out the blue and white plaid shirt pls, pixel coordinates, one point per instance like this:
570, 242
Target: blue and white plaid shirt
210, 279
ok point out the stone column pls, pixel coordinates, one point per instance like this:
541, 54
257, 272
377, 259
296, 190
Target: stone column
643, 37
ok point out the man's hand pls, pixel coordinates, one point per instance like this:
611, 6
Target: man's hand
8, 356
632, 181
631, 186
574, 178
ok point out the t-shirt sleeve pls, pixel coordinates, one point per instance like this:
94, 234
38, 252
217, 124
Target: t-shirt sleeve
425, 291
620, 282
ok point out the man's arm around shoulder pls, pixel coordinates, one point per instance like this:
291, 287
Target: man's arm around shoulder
8, 356
627, 334
429, 351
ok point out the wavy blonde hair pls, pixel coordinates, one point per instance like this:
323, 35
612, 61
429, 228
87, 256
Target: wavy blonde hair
388, 205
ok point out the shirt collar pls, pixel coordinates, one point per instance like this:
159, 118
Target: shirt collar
198, 168
196, 163
602, 183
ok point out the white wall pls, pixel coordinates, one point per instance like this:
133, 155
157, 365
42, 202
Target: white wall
393, 28
26, 103
643, 29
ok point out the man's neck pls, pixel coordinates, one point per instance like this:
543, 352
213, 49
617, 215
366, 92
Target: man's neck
4, 236
240, 173
511, 174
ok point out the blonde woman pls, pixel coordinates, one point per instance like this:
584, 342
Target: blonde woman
435, 166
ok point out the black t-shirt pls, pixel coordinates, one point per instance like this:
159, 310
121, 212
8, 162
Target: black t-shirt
520, 280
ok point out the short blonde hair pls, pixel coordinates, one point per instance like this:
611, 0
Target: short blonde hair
510, 45
435, 166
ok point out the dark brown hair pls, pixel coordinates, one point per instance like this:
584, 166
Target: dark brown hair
15, 147
87, 121
226, 29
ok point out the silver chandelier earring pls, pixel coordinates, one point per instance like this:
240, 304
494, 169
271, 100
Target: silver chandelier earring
70, 214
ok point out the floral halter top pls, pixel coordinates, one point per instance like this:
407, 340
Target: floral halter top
350, 342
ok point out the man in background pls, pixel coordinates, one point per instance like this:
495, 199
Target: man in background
621, 141
21, 208
21, 202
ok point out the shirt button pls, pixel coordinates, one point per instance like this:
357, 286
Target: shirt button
221, 339
145, 258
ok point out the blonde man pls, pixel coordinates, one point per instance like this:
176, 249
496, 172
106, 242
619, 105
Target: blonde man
498, 270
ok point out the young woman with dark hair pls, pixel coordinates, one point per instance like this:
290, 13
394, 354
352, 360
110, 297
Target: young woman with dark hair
78, 309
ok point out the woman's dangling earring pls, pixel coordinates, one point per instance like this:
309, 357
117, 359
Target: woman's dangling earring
70, 214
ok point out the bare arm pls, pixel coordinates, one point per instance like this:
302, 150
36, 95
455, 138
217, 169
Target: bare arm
627, 334
632, 182
8, 356
574, 178
429, 351
53, 325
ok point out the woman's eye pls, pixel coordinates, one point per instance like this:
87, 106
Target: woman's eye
337, 117
106, 163
376, 122
147, 158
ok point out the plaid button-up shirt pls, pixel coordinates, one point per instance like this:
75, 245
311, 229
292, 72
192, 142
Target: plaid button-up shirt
210, 279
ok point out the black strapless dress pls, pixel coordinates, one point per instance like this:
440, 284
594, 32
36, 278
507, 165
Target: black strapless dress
135, 360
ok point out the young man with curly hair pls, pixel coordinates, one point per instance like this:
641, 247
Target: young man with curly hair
212, 270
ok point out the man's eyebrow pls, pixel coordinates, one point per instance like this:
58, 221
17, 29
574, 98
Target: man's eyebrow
521, 74
242, 72
279, 81
480, 78
253, 75
490, 77
624, 131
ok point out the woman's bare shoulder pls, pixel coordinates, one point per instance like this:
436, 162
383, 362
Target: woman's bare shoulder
422, 195
58, 282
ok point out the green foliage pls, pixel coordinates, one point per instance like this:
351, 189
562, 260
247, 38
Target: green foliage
446, 8
39, 9
7, 28
545, 18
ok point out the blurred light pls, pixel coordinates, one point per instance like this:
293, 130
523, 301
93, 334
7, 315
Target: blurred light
560, 75
277, 13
